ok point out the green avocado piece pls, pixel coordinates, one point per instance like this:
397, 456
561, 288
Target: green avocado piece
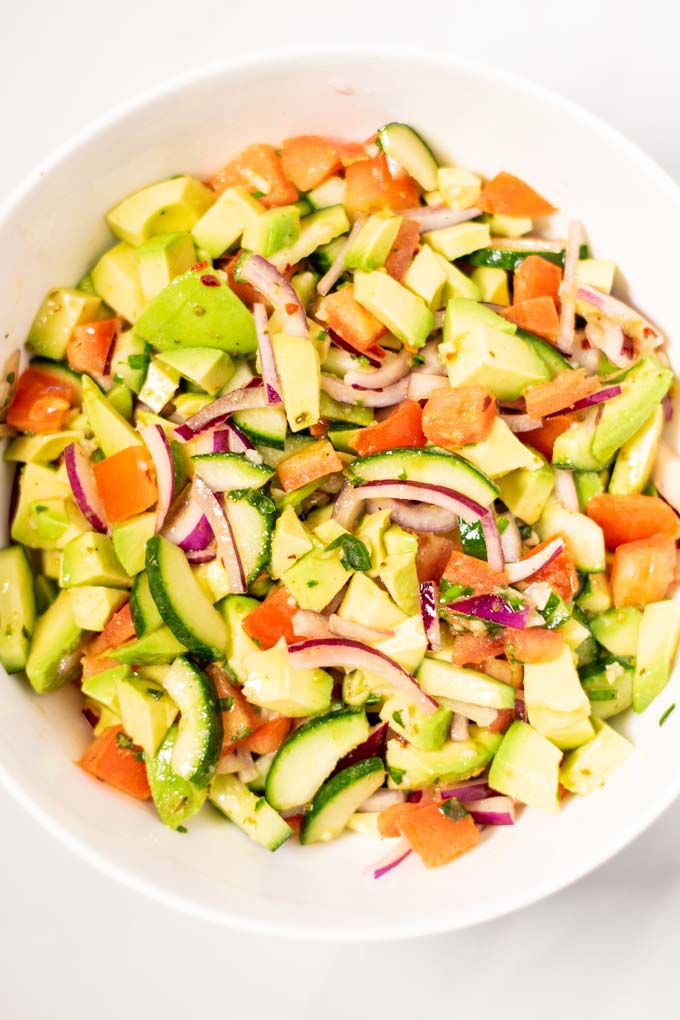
43, 487
500, 453
233, 610
462, 239
608, 683
527, 490
40, 449
116, 277
316, 578
557, 705
526, 768
94, 605
588, 767
399, 575
584, 537
501, 362
90, 559
427, 278
198, 309
411, 768
318, 229
290, 541
160, 386
129, 540
176, 799
427, 733
617, 630
56, 634
635, 459
457, 284
167, 206
272, 683
657, 644
161, 259
365, 603
209, 369
334, 410
223, 224
405, 314
272, 230
573, 449
147, 712
463, 314
112, 432
103, 687
642, 389
17, 608
371, 246
49, 518
589, 484
158, 647
63, 309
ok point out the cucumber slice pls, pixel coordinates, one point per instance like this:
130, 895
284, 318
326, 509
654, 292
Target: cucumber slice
608, 682
17, 608
266, 425
184, 608
145, 615
508, 258
443, 680
252, 522
199, 733
406, 146
551, 358
310, 754
251, 813
432, 466
176, 799
224, 472
159, 646
339, 798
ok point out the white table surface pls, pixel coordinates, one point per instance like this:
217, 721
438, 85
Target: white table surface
74, 944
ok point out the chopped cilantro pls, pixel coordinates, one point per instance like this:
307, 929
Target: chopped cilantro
668, 711
260, 803
398, 719
155, 692
396, 775
602, 696
138, 360
418, 359
353, 553
450, 592
257, 194
181, 828
454, 810
124, 742
226, 704
312, 583
525, 531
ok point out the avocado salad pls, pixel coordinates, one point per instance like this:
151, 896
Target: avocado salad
342, 498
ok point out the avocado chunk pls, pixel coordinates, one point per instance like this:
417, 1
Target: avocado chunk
557, 705
608, 683
635, 459
165, 207
209, 369
146, 710
426, 277
63, 309
94, 605
371, 246
90, 559
526, 491
463, 314
55, 636
457, 284
233, 610
116, 277
103, 687
318, 229
160, 646
299, 369
272, 230
405, 314
291, 540
573, 449
584, 537
459, 188
367, 604
176, 799
129, 540
509, 226
43, 487
272, 683
642, 389
40, 449
500, 453
454, 242
589, 484
17, 608
492, 283
442, 679
223, 224
316, 578
618, 630
502, 363
198, 309
411, 768
399, 575
161, 259
589, 767
425, 732
526, 768
252, 814
598, 273
657, 644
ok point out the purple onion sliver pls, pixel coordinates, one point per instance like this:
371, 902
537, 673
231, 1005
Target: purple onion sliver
206, 555
492, 811
217, 412
534, 562
607, 393
386, 397
430, 614
266, 278
270, 376
372, 747
473, 790
438, 217
392, 859
396, 368
158, 446
345, 346
493, 609
84, 487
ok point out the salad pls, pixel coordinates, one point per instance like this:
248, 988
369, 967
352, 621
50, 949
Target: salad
342, 497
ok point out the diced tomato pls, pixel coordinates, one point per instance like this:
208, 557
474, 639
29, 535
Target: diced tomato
40, 402
110, 759
88, 349
561, 573
504, 716
561, 392
389, 818
536, 277
474, 574
351, 152
319, 429
402, 427
508, 195
352, 321
435, 836
510, 673
317, 460
434, 552
259, 169
536, 315
454, 417
403, 249
370, 188
272, 620
91, 664
536, 644
308, 160
628, 518
474, 649
295, 821
543, 439
117, 631
268, 737
642, 571
238, 718
126, 483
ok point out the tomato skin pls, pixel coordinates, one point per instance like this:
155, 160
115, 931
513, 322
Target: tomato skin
403, 427
117, 631
268, 737
642, 571
632, 517
508, 195
453, 417
370, 188
259, 169
350, 320
536, 644
116, 765
561, 573
474, 574
308, 160
560, 393
317, 460
40, 402
543, 439
403, 249
537, 315
88, 349
536, 277
272, 619
473, 649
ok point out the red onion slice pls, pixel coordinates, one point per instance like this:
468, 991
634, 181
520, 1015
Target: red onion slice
429, 612
565, 489
219, 410
275, 288
340, 627
392, 370
158, 446
189, 527
367, 398
345, 653
416, 517
565, 340
421, 385
534, 562
338, 341
511, 540
609, 338
206, 555
431, 362
224, 537
84, 487
308, 624
337, 267
438, 217
270, 377
492, 811
391, 859
372, 747
493, 609
592, 400
630, 322
522, 422
469, 790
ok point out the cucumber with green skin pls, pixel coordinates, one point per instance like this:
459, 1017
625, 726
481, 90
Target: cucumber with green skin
155, 648
176, 799
224, 472
252, 814
510, 258
405, 145
251, 516
145, 615
339, 798
64, 374
17, 608
551, 358
198, 744
430, 465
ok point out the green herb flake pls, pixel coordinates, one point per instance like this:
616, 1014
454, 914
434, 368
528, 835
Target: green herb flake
226, 704
312, 584
602, 696
396, 775
525, 531
398, 719
138, 361
353, 553
450, 592
125, 743
155, 692
668, 711
454, 810
257, 194
418, 359
260, 803
182, 828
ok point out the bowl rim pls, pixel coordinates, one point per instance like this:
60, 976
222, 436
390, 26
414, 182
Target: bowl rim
310, 929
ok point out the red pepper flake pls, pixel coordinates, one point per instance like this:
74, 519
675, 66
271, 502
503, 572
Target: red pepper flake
208, 280
648, 332
291, 309
199, 266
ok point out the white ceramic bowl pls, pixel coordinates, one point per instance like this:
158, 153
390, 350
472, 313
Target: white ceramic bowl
50, 234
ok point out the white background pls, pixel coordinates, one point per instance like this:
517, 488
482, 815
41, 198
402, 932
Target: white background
72, 943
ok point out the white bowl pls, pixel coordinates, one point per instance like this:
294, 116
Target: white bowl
51, 233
